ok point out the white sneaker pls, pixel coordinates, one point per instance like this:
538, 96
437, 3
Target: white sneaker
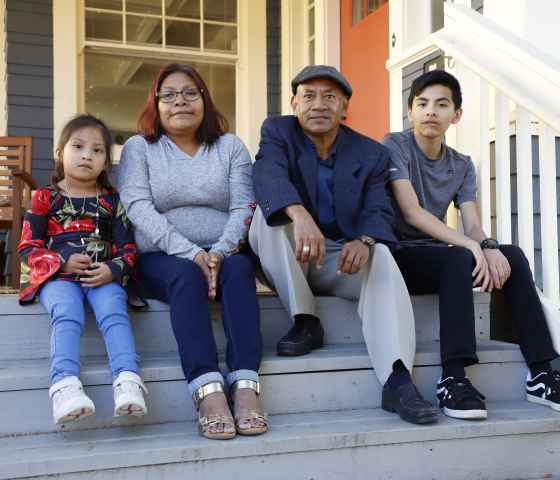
70, 401
128, 390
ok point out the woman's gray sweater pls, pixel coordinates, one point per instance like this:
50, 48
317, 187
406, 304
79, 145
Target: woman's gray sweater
180, 204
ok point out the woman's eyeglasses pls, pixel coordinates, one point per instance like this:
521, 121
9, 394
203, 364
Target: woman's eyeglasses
188, 94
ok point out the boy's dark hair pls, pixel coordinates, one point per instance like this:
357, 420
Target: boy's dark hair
436, 77
80, 121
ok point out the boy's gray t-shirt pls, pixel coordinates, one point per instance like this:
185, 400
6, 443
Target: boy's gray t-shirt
436, 182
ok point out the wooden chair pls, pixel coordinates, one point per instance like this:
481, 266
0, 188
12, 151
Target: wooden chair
16, 184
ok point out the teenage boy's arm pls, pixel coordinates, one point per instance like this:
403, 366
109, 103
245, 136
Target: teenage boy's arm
423, 220
498, 265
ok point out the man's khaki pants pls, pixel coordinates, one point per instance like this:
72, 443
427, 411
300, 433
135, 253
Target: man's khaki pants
383, 300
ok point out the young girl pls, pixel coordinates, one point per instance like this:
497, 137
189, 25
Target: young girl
77, 245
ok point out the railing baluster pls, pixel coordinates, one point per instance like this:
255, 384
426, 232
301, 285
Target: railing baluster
549, 225
525, 184
503, 187
485, 202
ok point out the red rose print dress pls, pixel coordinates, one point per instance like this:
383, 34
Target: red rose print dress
57, 226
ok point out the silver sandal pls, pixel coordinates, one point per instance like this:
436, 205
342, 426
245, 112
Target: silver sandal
250, 416
208, 422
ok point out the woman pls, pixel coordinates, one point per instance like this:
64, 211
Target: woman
187, 188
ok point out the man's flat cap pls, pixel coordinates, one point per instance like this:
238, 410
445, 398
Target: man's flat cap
321, 71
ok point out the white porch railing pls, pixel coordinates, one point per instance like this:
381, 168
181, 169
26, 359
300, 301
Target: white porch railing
525, 85
517, 85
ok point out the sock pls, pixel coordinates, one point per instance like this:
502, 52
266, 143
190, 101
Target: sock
305, 319
453, 368
400, 375
539, 367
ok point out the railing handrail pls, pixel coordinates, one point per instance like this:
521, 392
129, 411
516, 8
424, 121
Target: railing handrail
518, 69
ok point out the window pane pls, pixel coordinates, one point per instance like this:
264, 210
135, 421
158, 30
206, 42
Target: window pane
311, 24
152, 7
143, 30
219, 37
117, 86
182, 34
312, 52
103, 26
107, 4
220, 10
182, 8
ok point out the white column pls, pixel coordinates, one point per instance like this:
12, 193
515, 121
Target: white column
66, 72
251, 104
484, 191
3, 72
293, 47
327, 33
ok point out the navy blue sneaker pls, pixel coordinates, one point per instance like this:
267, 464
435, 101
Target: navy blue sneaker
459, 399
544, 389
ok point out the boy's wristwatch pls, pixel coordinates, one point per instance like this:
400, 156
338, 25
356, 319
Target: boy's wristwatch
368, 241
490, 244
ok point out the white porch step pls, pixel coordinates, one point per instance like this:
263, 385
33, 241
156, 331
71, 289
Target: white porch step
25, 331
337, 377
519, 440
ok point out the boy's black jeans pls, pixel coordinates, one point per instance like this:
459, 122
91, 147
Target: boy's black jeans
448, 271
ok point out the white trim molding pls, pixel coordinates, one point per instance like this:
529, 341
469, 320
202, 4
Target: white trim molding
327, 33
293, 47
3, 71
67, 77
251, 90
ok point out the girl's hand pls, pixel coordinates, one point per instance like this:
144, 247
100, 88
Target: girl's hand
98, 274
206, 262
78, 263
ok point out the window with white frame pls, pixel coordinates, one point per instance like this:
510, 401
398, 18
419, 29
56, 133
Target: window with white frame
310, 37
126, 42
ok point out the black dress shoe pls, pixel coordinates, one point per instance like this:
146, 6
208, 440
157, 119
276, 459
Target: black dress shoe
306, 334
407, 401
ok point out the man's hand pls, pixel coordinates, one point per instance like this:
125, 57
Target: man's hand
78, 263
498, 267
98, 274
480, 273
353, 256
310, 242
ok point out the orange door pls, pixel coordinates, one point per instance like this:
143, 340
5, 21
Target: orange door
364, 49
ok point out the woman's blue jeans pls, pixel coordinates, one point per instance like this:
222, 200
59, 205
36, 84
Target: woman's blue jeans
181, 283
64, 301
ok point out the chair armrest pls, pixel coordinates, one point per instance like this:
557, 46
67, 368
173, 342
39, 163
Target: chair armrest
26, 177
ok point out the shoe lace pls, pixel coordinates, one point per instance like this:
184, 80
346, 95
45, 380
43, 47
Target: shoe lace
462, 388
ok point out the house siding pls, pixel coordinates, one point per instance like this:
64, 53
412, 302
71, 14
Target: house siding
273, 56
411, 73
30, 78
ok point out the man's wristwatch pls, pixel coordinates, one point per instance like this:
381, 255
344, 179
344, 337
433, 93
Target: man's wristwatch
490, 244
368, 241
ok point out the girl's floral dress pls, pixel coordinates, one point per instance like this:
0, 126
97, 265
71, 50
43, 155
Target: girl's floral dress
57, 226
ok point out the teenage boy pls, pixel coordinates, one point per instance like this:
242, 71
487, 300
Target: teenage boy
426, 175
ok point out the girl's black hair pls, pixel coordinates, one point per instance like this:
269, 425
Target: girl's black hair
80, 121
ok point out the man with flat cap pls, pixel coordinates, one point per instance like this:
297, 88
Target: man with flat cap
323, 226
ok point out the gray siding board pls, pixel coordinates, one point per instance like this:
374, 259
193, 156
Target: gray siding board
25, 54
28, 22
36, 117
273, 52
32, 70
30, 82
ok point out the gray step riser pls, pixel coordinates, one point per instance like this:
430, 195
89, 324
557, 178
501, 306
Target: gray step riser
282, 393
491, 458
25, 331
